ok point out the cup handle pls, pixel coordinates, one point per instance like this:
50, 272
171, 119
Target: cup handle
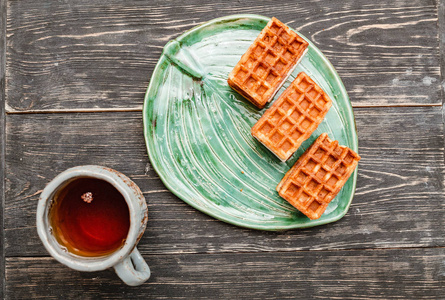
133, 270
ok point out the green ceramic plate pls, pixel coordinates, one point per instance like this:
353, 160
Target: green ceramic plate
197, 129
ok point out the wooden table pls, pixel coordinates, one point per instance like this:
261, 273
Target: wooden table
73, 78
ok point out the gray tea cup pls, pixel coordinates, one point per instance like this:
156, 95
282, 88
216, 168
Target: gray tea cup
126, 261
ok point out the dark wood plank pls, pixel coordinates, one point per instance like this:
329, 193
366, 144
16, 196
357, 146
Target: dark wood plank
398, 203
2, 141
441, 17
382, 274
97, 55
441, 22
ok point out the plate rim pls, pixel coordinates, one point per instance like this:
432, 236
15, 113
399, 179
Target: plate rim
349, 118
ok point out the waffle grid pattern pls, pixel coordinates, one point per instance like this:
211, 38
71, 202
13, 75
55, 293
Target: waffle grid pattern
318, 176
293, 117
267, 63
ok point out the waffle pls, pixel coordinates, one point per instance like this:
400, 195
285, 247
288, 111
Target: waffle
293, 117
318, 176
267, 63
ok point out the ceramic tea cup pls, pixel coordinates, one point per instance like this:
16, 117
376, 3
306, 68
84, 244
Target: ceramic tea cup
126, 260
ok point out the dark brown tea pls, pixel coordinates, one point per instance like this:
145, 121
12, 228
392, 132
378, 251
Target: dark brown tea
90, 217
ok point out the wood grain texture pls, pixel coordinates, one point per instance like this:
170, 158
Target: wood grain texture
399, 200
396, 274
95, 55
90, 57
441, 22
2, 141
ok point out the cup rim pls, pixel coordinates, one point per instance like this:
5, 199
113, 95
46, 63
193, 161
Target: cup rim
77, 262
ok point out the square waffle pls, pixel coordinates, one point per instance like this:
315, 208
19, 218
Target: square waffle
267, 63
318, 176
293, 117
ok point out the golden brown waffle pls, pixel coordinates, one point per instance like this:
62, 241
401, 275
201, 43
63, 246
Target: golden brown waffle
318, 176
293, 117
267, 63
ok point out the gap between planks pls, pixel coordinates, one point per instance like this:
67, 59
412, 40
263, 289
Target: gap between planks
10, 111
260, 252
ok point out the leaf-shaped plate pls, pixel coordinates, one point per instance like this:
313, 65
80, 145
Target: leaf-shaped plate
197, 129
